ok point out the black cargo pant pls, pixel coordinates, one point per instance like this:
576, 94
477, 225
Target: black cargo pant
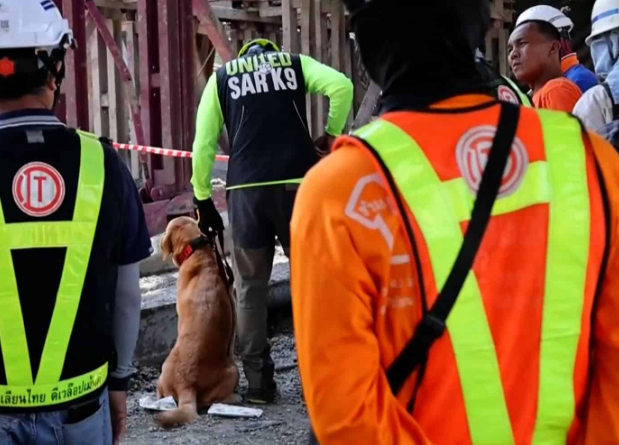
257, 215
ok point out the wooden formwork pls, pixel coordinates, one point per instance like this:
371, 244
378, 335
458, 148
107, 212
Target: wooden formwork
313, 27
158, 91
498, 36
141, 65
109, 114
316, 28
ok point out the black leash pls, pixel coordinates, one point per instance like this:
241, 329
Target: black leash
225, 271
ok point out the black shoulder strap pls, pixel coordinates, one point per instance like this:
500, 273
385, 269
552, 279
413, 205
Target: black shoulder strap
433, 324
612, 101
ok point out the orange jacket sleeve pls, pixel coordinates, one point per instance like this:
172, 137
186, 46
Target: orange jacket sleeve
558, 94
335, 298
602, 419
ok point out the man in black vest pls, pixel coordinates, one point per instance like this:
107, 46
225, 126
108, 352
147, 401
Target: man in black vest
72, 232
260, 97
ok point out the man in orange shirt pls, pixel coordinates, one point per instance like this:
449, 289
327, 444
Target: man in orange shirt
534, 57
570, 65
529, 353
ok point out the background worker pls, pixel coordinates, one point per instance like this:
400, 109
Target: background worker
534, 57
525, 358
570, 65
506, 89
72, 232
597, 107
261, 99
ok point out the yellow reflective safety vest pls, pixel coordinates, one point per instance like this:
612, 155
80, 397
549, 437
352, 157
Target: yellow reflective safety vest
439, 207
24, 390
522, 98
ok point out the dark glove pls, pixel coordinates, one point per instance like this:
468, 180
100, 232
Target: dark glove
209, 218
324, 144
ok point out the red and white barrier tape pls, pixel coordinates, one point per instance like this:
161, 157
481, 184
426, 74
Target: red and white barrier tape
162, 151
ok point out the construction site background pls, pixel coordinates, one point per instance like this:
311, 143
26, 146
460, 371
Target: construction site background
137, 77
141, 66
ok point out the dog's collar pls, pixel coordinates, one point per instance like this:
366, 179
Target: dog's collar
194, 245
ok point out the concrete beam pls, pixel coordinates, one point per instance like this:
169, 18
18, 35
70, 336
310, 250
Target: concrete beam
213, 28
117, 4
233, 14
270, 11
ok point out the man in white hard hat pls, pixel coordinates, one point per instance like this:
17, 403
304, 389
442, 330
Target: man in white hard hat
72, 233
533, 50
597, 108
570, 65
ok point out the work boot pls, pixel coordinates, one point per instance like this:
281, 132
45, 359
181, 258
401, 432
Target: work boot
262, 396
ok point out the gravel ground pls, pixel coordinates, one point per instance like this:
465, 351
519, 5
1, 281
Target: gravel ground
282, 423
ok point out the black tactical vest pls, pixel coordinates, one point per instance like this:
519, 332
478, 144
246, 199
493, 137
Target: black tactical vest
262, 99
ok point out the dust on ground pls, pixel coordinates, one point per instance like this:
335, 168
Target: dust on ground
282, 423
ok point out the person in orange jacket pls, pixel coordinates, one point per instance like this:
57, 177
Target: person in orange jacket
530, 350
534, 57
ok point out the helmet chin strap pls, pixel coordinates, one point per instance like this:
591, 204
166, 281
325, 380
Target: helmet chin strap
59, 78
50, 64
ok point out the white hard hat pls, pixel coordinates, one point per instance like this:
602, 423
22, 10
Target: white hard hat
33, 24
545, 13
604, 18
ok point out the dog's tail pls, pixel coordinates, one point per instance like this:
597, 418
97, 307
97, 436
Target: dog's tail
187, 411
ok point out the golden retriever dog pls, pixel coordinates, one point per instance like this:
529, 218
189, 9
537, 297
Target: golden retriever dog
200, 369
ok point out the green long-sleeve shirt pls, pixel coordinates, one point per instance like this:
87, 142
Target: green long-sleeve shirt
248, 79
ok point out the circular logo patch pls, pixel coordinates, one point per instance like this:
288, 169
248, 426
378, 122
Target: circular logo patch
38, 189
472, 154
7, 67
506, 94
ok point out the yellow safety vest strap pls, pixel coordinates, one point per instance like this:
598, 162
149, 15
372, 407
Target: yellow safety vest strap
13, 341
85, 216
33, 396
45, 235
524, 99
534, 189
468, 327
566, 274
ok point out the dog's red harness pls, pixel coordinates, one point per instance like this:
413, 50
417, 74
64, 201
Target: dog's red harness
224, 268
194, 245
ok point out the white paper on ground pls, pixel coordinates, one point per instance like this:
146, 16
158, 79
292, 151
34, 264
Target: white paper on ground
151, 402
219, 409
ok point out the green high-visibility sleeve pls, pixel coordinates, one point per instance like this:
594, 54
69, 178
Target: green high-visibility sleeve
323, 79
209, 124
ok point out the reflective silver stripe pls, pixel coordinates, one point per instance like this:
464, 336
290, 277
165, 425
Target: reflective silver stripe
30, 121
240, 125
299, 114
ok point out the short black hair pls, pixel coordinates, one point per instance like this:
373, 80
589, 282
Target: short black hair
29, 77
546, 29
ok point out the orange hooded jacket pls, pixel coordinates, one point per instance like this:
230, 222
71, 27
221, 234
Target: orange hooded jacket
356, 300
